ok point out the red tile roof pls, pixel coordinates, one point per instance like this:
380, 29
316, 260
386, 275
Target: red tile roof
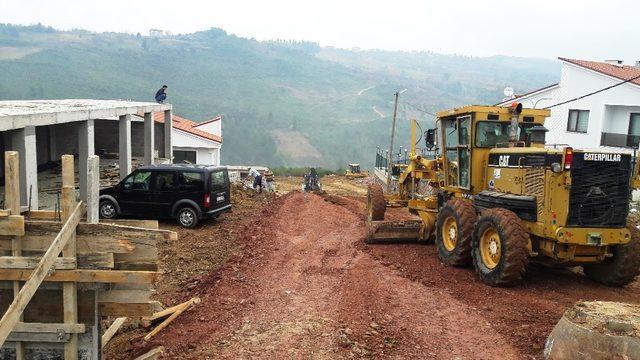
209, 121
622, 72
189, 126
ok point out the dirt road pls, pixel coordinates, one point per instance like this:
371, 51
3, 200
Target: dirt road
304, 288
304, 285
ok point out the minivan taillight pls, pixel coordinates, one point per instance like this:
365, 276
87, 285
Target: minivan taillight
568, 157
207, 200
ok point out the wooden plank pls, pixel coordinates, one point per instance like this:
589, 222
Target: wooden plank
143, 257
126, 232
32, 241
43, 215
69, 289
88, 276
12, 182
30, 262
49, 328
12, 196
112, 330
180, 309
85, 261
125, 296
124, 309
170, 310
147, 224
12, 315
153, 354
12, 225
41, 227
38, 338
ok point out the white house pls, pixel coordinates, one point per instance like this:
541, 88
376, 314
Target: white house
608, 120
195, 142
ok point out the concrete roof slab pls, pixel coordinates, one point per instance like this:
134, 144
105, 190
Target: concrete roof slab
20, 113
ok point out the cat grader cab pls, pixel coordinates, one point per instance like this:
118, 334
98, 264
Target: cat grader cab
491, 193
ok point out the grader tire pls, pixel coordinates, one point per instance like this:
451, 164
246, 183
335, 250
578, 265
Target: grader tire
454, 230
376, 204
507, 264
624, 266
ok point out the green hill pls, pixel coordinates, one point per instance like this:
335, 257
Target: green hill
284, 103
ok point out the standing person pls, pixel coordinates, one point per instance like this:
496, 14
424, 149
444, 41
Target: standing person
257, 178
161, 94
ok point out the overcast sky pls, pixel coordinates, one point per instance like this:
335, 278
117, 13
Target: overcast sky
587, 29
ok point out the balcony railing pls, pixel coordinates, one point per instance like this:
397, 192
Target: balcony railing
620, 140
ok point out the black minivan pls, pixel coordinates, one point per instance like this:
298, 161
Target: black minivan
187, 193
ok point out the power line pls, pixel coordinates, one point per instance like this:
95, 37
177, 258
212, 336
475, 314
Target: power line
593, 93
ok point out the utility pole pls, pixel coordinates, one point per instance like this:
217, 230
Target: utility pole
393, 135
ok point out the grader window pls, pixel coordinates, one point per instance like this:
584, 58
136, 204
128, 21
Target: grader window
456, 134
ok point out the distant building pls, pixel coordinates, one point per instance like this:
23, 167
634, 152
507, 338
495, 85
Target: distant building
195, 142
608, 120
156, 32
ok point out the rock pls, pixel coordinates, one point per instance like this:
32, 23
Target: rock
596, 330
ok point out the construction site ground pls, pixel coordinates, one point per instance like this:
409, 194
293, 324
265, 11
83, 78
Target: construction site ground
289, 276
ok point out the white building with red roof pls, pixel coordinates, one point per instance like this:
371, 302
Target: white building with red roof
195, 142
609, 119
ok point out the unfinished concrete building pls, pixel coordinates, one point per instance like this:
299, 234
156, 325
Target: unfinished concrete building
42, 130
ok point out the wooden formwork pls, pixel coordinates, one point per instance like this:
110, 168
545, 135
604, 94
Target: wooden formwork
59, 274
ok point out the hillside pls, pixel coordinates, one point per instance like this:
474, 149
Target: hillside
284, 103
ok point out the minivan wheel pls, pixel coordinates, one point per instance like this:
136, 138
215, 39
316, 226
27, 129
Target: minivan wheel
187, 217
108, 209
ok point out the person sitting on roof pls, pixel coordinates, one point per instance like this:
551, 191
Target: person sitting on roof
161, 94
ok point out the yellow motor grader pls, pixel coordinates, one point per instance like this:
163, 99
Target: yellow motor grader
491, 193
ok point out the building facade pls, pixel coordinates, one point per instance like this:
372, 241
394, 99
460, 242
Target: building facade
608, 120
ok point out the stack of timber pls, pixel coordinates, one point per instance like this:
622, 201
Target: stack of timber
58, 278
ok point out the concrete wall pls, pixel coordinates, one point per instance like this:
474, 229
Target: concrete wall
214, 127
107, 137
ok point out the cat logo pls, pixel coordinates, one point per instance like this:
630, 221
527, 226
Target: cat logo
503, 160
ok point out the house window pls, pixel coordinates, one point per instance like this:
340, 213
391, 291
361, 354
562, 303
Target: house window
633, 139
184, 156
578, 121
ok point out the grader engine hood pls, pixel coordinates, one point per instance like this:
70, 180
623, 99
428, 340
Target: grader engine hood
592, 188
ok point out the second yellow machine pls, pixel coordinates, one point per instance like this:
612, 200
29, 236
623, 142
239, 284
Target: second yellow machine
491, 193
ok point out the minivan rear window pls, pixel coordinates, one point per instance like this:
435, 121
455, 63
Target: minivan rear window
217, 179
188, 180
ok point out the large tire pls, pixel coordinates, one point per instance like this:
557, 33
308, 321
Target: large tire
454, 230
500, 247
376, 204
624, 266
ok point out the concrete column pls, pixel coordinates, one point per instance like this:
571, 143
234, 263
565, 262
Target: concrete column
86, 148
24, 142
148, 138
124, 142
168, 126
93, 188
53, 148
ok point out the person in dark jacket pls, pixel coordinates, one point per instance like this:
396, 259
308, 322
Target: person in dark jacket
161, 94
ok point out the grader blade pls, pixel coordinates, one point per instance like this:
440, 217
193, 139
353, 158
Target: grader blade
379, 232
